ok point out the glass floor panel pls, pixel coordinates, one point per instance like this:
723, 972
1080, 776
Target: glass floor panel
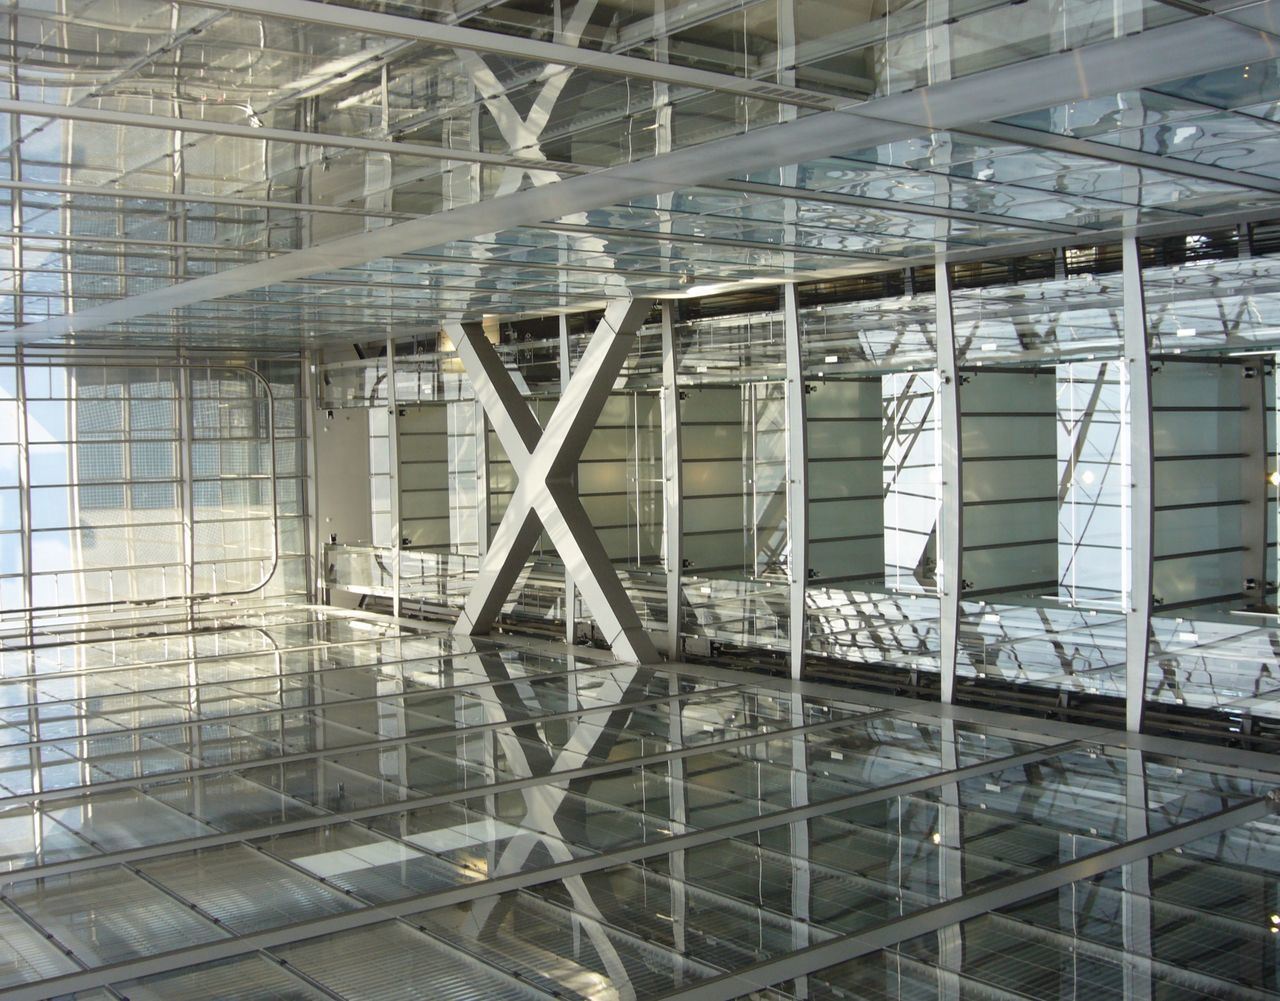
306, 805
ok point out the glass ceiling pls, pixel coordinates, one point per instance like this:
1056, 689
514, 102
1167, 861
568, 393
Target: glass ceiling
320, 804
189, 171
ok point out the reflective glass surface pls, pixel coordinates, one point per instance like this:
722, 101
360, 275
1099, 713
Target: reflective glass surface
404, 813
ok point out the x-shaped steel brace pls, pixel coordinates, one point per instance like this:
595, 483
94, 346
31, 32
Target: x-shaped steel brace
546, 497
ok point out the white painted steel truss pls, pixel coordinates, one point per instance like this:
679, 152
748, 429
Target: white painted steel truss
546, 497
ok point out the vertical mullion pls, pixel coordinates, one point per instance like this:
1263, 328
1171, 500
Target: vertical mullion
15, 195
673, 554
393, 471
950, 518
1137, 365
570, 591
186, 434
24, 487
1254, 474
797, 478
315, 557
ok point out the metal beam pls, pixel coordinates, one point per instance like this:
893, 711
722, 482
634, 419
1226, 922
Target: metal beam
950, 515
822, 197
1109, 153
185, 406
140, 120
546, 497
1141, 514
797, 480
1169, 52
1255, 471
393, 473
681, 17
556, 55
666, 236
24, 491
672, 480
570, 592
98, 192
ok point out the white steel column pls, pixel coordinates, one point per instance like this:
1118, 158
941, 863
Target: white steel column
186, 452
1137, 369
673, 521
482, 479
797, 478
1255, 470
24, 493
546, 497
317, 588
393, 472
950, 523
570, 592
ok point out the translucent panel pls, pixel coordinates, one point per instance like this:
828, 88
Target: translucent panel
392, 961
28, 955
127, 819
244, 891
110, 915
239, 979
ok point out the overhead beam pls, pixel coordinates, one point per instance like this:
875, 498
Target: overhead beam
666, 236
98, 191
1108, 153
822, 197
1158, 54
452, 36
200, 126
681, 17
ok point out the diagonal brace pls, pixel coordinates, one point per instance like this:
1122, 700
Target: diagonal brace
546, 497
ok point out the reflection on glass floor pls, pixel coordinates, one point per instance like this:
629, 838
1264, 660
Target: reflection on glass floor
307, 804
